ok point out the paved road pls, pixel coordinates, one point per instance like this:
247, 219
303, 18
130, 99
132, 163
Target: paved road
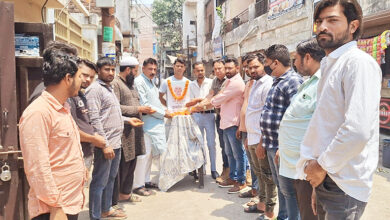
186, 201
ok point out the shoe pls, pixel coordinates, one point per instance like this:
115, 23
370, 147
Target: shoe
224, 175
237, 188
248, 177
227, 183
214, 174
194, 174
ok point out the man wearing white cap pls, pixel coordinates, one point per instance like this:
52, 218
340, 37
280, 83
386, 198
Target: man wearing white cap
132, 138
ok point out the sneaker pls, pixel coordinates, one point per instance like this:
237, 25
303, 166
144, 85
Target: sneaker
227, 183
237, 188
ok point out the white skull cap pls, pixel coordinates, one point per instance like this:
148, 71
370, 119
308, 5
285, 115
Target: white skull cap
128, 60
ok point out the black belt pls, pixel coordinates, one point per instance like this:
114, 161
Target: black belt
205, 112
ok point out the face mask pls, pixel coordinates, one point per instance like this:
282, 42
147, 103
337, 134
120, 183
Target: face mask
268, 70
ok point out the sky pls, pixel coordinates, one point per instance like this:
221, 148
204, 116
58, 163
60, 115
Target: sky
146, 2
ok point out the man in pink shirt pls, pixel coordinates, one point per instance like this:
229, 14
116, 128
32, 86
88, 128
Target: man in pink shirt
230, 100
50, 143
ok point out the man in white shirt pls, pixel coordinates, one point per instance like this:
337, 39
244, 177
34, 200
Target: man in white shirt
175, 88
204, 117
339, 153
257, 96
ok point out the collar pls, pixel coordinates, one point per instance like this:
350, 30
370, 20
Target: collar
264, 78
341, 50
235, 77
104, 84
145, 77
317, 74
286, 74
53, 101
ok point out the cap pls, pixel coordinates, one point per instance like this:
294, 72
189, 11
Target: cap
128, 60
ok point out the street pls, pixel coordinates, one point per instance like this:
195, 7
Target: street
186, 201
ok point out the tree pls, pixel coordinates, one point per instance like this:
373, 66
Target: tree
167, 14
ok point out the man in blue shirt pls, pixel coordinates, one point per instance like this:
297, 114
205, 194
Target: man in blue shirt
284, 87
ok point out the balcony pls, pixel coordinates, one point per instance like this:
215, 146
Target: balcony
240, 19
261, 7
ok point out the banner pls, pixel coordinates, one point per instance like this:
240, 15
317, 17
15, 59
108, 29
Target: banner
280, 7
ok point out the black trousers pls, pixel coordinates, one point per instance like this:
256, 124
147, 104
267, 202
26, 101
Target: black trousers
304, 191
125, 178
46, 216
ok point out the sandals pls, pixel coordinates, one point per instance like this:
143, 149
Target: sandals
150, 185
253, 209
132, 198
116, 214
142, 191
247, 194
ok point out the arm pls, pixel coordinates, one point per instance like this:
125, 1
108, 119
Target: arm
96, 140
230, 90
361, 87
162, 100
34, 137
94, 106
131, 111
142, 92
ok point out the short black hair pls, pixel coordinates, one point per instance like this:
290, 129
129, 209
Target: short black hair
278, 52
219, 61
149, 61
56, 65
180, 60
123, 68
312, 48
231, 60
259, 56
351, 9
244, 58
105, 61
197, 63
57, 45
89, 64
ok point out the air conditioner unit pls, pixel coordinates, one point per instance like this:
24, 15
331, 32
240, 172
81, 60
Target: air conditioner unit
105, 3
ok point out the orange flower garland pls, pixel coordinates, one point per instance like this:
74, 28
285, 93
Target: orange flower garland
185, 112
181, 97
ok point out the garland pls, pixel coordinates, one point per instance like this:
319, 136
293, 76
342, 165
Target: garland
181, 97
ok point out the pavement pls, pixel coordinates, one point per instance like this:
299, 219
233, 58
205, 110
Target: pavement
186, 201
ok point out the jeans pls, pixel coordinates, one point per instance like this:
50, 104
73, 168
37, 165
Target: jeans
334, 204
221, 142
288, 190
275, 176
206, 123
102, 184
236, 155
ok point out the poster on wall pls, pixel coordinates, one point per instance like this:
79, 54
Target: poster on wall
280, 7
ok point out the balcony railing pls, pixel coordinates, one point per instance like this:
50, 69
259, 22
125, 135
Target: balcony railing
261, 7
240, 19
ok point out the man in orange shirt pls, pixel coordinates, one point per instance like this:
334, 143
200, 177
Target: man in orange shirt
50, 143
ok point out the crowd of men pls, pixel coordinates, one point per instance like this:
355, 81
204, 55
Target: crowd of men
305, 137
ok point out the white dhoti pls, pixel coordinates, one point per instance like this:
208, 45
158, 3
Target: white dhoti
185, 151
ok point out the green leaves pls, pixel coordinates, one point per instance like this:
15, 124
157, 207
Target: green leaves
167, 14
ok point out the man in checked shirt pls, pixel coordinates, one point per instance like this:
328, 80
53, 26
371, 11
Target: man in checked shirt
284, 87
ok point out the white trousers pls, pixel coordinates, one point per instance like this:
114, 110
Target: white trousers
144, 164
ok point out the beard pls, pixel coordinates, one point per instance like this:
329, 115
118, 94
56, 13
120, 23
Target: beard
333, 42
130, 80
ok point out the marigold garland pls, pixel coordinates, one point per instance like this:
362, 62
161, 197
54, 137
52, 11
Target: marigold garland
185, 112
181, 97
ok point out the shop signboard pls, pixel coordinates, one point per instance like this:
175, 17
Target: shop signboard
384, 113
280, 7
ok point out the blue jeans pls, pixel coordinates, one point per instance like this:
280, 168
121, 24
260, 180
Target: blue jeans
221, 142
275, 176
102, 184
236, 155
288, 190
206, 124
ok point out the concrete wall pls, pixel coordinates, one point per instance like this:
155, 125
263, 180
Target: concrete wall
287, 29
146, 35
374, 6
122, 13
189, 14
30, 10
234, 7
